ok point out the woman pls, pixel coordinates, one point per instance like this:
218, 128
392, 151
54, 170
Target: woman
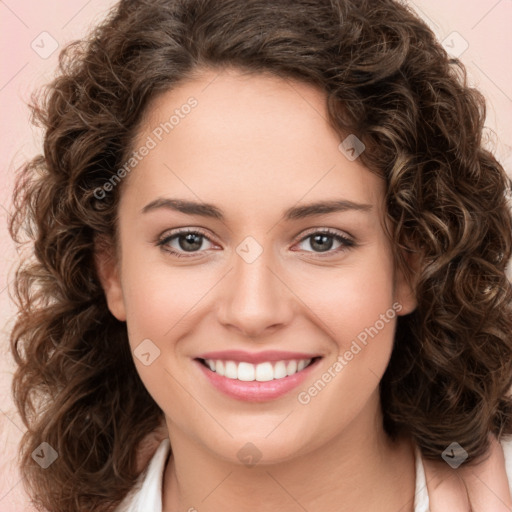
270, 230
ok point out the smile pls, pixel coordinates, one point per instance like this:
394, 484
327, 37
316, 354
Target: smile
267, 376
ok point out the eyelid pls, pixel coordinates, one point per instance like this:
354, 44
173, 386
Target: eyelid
323, 229
184, 230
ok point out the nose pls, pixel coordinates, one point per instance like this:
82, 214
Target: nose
255, 299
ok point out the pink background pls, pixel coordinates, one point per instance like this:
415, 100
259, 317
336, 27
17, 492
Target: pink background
26, 63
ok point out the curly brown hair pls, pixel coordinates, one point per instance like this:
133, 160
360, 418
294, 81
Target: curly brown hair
388, 81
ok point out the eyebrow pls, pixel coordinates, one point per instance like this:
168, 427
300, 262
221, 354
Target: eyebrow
293, 213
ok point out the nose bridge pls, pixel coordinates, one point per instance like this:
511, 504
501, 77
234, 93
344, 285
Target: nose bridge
255, 299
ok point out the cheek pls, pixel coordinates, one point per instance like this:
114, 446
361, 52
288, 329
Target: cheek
355, 305
351, 298
357, 309
159, 311
158, 297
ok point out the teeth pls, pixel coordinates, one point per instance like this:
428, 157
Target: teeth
261, 372
280, 370
291, 367
231, 371
246, 372
264, 372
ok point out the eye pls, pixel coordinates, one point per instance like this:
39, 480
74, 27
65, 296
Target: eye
322, 241
191, 241
188, 241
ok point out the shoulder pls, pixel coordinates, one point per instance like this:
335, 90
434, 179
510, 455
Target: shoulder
147, 492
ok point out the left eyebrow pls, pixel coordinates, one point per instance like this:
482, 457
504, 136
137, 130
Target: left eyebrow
324, 207
293, 213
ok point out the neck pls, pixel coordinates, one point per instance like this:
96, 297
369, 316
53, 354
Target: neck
359, 469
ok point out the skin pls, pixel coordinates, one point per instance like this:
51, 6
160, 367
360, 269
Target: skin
254, 146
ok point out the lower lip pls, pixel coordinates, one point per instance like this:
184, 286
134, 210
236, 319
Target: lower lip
256, 391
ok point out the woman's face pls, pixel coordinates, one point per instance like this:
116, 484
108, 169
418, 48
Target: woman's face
263, 284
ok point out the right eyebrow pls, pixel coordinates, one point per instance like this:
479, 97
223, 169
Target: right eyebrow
185, 206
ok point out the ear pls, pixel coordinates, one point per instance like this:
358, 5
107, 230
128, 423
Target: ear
107, 267
405, 282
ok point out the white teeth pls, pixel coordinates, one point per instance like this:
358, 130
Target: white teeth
291, 367
264, 372
230, 370
246, 372
280, 370
261, 372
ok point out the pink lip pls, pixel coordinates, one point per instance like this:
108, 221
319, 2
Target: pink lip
256, 357
255, 391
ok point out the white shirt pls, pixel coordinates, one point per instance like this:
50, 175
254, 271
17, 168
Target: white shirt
146, 495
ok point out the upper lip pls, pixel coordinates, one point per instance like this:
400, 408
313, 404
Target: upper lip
255, 357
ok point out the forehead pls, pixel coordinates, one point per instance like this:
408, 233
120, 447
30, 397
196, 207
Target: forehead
248, 138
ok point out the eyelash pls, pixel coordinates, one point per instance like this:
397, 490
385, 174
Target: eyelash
346, 242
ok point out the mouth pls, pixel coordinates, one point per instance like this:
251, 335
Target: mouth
256, 382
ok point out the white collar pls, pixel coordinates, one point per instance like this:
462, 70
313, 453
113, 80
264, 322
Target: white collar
147, 493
